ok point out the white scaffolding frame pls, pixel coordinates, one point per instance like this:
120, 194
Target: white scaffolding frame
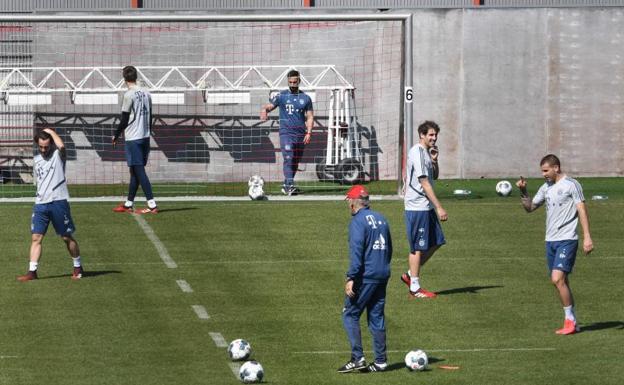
34, 80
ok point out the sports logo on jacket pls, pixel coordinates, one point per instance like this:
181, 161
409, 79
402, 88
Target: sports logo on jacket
380, 243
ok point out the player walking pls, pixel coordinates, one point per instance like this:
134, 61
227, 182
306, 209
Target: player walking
424, 232
51, 203
565, 208
370, 253
296, 123
136, 122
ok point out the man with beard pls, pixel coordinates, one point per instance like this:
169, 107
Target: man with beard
51, 203
296, 123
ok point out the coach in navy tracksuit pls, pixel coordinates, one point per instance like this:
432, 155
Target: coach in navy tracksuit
370, 252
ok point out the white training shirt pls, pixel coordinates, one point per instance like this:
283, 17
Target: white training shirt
50, 176
561, 199
419, 164
138, 102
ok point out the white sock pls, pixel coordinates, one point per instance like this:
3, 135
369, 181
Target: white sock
414, 284
129, 204
569, 313
76, 261
151, 203
33, 266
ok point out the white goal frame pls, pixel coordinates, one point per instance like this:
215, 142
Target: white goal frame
406, 135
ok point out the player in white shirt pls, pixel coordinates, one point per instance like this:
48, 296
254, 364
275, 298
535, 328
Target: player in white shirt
565, 208
424, 232
51, 203
135, 123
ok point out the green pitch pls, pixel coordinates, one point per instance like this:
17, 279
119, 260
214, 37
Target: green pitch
272, 273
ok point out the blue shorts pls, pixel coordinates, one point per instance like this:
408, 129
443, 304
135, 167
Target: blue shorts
137, 152
423, 230
58, 213
561, 255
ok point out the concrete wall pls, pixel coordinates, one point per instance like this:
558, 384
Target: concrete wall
510, 85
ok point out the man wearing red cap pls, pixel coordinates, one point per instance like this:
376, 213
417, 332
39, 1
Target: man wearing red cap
370, 253
424, 232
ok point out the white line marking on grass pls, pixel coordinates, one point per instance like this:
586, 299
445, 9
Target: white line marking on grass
475, 350
184, 286
235, 367
5, 357
218, 340
200, 311
162, 250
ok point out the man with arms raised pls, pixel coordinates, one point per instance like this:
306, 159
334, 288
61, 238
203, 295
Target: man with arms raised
51, 202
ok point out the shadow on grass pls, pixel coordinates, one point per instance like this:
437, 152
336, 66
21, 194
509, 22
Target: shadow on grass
86, 274
160, 211
603, 325
467, 289
401, 365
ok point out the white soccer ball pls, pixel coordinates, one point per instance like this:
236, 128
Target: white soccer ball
416, 360
255, 180
251, 372
256, 190
503, 188
239, 350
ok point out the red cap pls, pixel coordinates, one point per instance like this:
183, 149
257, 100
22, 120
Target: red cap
357, 192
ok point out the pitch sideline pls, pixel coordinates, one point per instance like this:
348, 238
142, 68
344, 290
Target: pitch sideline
160, 247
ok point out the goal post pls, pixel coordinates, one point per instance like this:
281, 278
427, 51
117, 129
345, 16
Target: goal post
208, 76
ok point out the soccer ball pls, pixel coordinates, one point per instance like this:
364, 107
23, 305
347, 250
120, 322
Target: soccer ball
239, 350
256, 184
251, 372
416, 360
503, 188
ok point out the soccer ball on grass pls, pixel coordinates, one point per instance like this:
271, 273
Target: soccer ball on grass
239, 350
256, 188
251, 372
503, 188
416, 360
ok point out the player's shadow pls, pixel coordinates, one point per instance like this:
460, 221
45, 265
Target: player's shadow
178, 209
603, 325
86, 274
401, 365
467, 289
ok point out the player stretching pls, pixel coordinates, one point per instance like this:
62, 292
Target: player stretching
51, 202
565, 207
424, 232
136, 121
296, 123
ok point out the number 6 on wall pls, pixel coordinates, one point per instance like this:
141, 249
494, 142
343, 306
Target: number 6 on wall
409, 95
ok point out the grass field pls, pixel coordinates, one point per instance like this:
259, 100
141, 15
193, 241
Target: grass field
272, 273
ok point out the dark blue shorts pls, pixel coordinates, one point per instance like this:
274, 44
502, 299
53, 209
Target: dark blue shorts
137, 152
423, 230
56, 212
561, 255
